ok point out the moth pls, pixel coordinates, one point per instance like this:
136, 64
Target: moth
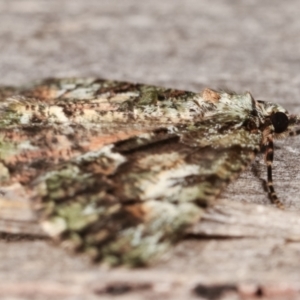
119, 170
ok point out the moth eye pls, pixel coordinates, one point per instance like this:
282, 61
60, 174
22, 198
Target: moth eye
161, 97
280, 121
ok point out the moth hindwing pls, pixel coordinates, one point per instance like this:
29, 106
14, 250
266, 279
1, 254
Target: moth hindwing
120, 170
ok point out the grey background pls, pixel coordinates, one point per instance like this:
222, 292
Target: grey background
189, 44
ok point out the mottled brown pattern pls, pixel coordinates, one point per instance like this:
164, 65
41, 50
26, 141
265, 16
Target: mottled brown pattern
119, 170
210, 95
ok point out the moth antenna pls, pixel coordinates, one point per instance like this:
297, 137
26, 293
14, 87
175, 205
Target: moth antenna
294, 132
269, 154
296, 121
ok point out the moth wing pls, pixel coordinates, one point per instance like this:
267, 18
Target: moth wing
125, 201
129, 201
58, 119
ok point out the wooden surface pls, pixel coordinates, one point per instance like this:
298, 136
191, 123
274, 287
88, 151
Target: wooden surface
244, 248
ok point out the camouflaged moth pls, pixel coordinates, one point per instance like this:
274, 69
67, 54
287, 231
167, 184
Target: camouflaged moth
120, 170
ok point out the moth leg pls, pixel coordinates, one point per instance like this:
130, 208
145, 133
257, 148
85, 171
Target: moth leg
269, 154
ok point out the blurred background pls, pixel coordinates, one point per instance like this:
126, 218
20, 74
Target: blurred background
243, 45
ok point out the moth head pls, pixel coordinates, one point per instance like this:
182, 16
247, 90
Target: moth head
279, 121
